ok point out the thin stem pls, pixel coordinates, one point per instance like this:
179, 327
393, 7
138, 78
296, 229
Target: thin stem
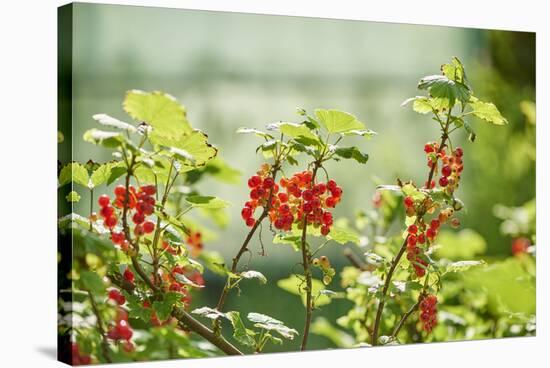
403, 319
91, 208
104, 341
382, 303
306, 262
244, 246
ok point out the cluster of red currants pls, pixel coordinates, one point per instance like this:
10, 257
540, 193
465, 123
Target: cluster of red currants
194, 241
141, 202
451, 169
116, 296
179, 287
300, 196
428, 312
78, 357
121, 329
422, 233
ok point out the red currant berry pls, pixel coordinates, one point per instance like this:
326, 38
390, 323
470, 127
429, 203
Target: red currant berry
327, 218
149, 189
117, 238
254, 194
325, 230
331, 185
254, 181
411, 240
138, 218
307, 195
106, 211
446, 170
459, 152
331, 202
307, 207
268, 183
138, 230
246, 212
120, 191
435, 224
443, 181
250, 222
104, 200
115, 295
148, 227
110, 222
428, 148
283, 197
408, 201
128, 275
413, 229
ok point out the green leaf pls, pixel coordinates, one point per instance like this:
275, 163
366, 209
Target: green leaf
462, 266
296, 130
343, 235
209, 313
507, 285
294, 240
440, 86
254, 275
104, 138
361, 132
114, 123
164, 307
464, 244
192, 148
136, 308
454, 70
184, 280
272, 324
335, 121
92, 281
322, 327
352, 153
160, 110
471, 134
296, 285
74, 172
240, 332
207, 202
257, 132
73, 197
487, 111
103, 173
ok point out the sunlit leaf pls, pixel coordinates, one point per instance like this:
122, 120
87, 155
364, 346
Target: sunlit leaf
109, 121
487, 111
272, 324
335, 121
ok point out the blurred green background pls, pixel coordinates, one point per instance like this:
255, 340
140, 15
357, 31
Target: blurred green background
232, 70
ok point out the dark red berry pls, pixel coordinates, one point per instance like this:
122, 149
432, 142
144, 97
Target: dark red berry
104, 200
325, 230
110, 222
446, 170
413, 229
138, 218
408, 201
129, 275
246, 212
149, 189
120, 191
443, 181
148, 227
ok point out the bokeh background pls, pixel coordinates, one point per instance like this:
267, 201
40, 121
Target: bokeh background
232, 70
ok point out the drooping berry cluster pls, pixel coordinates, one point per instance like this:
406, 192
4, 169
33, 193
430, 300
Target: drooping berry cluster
262, 186
78, 357
324, 264
194, 241
121, 329
299, 197
140, 204
451, 169
428, 312
177, 286
116, 296
422, 234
